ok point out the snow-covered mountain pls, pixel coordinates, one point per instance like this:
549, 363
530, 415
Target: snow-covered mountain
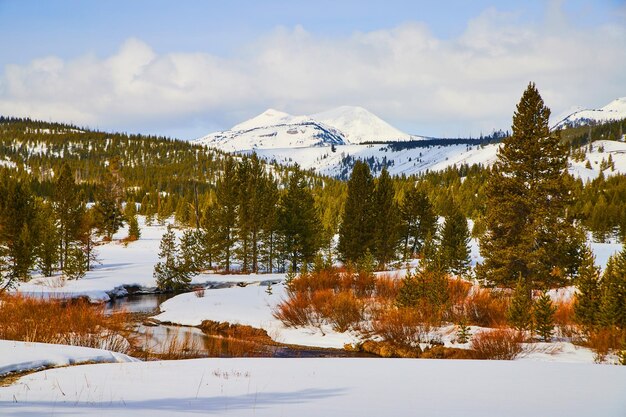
359, 125
615, 110
274, 129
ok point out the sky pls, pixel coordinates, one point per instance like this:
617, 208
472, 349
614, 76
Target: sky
185, 69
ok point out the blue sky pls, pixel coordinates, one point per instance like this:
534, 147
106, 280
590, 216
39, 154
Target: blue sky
186, 68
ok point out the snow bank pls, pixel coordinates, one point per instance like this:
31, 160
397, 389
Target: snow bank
251, 306
322, 387
25, 356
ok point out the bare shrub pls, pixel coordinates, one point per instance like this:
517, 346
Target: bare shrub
603, 341
345, 310
500, 344
386, 287
564, 319
295, 310
74, 322
484, 308
402, 326
199, 292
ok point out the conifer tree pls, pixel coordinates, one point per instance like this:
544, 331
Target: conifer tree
357, 230
226, 210
109, 204
613, 292
69, 210
386, 220
520, 310
454, 248
418, 220
298, 222
75, 264
134, 232
18, 231
48, 245
170, 273
528, 231
587, 301
543, 317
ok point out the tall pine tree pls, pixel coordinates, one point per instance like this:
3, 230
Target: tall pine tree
386, 220
357, 230
528, 231
454, 248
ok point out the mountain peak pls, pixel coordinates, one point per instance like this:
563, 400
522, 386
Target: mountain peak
360, 125
615, 110
269, 117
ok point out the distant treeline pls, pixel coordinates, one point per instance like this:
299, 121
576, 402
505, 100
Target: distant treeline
495, 137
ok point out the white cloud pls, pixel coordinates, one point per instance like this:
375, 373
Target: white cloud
405, 74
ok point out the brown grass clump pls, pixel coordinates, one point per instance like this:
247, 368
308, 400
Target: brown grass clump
500, 344
73, 322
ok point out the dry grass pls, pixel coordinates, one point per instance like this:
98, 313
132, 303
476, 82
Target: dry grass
500, 344
73, 322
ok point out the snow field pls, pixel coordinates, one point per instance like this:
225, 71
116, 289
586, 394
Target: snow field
321, 387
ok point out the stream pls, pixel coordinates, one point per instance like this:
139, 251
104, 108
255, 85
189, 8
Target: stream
161, 338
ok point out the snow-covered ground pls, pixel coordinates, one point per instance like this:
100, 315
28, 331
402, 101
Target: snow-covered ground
27, 356
321, 387
250, 305
120, 265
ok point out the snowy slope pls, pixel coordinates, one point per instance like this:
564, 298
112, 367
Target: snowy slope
321, 387
615, 110
359, 125
27, 356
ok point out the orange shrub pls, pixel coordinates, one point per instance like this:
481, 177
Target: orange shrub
483, 308
501, 344
73, 322
344, 310
602, 341
295, 310
458, 290
400, 326
387, 287
564, 318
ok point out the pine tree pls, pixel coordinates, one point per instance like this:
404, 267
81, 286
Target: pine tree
357, 230
418, 220
543, 317
48, 245
75, 264
109, 204
134, 232
171, 274
298, 222
587, 301
612, 311
69, 210
454, 248
519, 313
18, 230
226, 210
527, 194
386, 220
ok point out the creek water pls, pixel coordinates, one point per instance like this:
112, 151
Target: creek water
161, 338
